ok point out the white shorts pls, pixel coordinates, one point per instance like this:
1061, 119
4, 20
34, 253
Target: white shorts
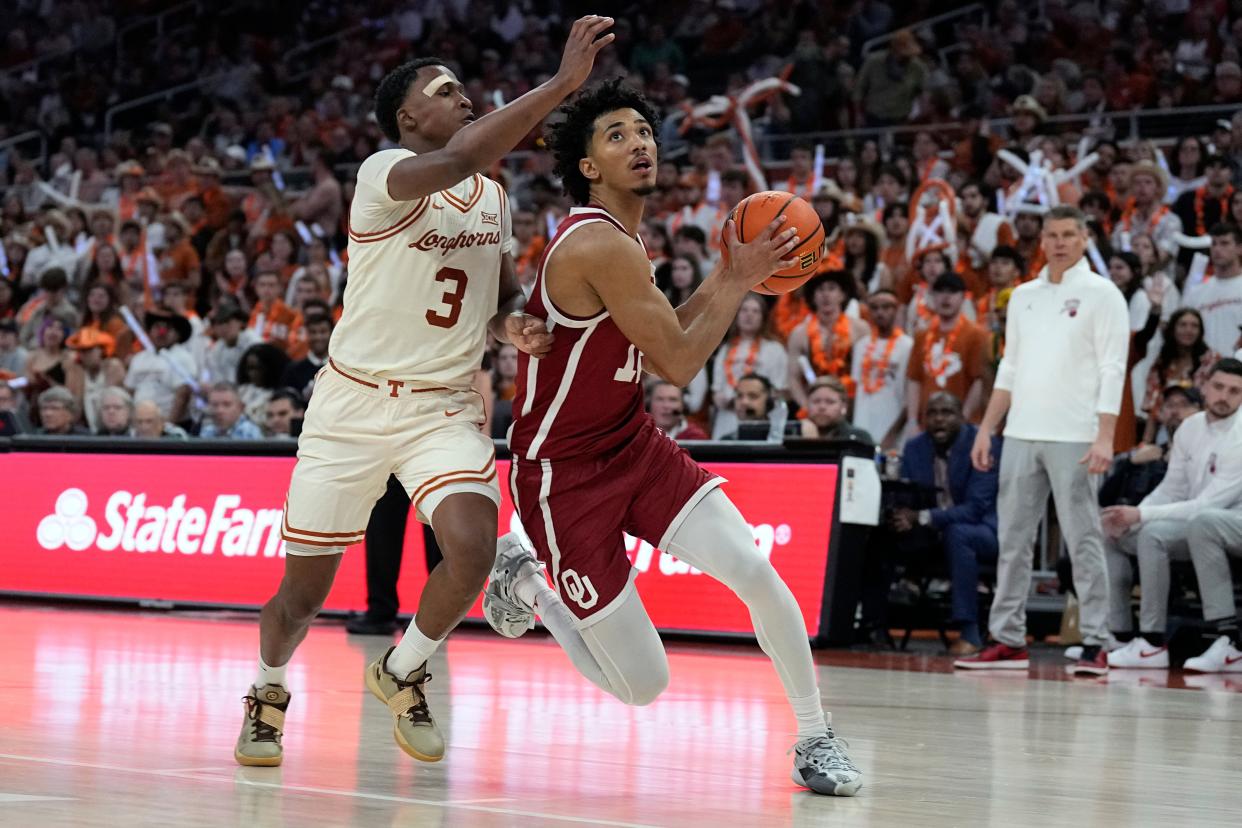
358, 430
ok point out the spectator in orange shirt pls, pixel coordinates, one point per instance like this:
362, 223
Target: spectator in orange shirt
99, 311
274, 321
265, 208
951, 355
176, 185
130, 174
179, 262
821, 346
284, 255
216, 202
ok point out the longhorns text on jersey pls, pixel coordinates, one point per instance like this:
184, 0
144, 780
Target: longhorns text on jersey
423, 277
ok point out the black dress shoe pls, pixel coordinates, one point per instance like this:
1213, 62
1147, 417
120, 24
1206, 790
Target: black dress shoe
369, 625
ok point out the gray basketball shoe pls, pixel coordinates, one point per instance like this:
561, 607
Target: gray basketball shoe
504, 611
821, 764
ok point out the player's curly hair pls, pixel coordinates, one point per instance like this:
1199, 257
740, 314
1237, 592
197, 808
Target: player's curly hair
571, 138
392, 91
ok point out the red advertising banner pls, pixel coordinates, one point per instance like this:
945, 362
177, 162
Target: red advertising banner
206, 530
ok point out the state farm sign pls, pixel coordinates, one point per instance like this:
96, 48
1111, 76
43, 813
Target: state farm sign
206, 530
132, 525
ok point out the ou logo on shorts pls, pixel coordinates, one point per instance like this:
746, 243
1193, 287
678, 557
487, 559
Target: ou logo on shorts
577, 588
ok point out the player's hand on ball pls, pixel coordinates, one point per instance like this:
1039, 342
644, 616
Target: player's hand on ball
528, 334
581, 47
759, 258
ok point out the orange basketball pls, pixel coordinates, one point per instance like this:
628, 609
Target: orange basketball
754, 213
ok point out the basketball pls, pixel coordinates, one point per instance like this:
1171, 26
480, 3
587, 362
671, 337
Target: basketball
753, 213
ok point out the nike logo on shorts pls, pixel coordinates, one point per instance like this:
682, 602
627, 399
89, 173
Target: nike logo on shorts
455, 411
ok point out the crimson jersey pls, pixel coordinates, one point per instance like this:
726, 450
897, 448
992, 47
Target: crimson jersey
586, 396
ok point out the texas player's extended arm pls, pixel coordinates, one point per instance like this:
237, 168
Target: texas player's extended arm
642, 312
510, 324
484, 142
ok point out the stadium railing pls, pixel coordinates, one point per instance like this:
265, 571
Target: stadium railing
956, 14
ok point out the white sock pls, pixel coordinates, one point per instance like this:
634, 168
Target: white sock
412, 650
529, 589
270, 675
810, 713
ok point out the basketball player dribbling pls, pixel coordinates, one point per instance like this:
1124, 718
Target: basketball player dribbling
589, 463
430, 273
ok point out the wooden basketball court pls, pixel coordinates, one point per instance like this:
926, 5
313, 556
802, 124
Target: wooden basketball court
122, 718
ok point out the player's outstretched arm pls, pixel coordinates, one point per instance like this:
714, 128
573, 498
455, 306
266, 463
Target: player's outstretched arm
487, 140
644, 314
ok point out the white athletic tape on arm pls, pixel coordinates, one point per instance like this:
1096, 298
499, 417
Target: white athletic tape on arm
433, 85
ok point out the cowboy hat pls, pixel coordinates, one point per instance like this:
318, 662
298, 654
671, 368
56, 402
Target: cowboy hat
207, 166
174, 320
865, 224
130, 168
1027, 103
87, 338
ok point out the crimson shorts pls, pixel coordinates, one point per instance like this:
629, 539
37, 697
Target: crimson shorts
575, 512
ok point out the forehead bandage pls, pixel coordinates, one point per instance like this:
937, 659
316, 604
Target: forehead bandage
433, 85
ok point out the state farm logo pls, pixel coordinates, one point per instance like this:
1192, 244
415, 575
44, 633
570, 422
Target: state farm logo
68, 525
133, 525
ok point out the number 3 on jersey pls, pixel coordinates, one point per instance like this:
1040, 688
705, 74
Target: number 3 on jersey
452, 297
632, 371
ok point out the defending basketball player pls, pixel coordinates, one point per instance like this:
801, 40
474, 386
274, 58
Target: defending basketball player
430, 273
589, 464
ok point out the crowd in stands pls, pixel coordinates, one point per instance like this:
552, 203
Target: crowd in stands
180, 276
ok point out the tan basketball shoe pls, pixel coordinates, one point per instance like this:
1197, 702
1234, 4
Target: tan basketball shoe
259, 742
414, 729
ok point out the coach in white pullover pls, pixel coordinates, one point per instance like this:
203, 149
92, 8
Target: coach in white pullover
1195, 510
1061, 381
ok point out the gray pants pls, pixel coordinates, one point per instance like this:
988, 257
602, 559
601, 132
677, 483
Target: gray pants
1154, 544
1214, 534
1028, 471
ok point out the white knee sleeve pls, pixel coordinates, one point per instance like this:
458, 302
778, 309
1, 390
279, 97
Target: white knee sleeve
716, 539
629, 652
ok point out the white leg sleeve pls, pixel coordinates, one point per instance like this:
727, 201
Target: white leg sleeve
716, 539
620, 654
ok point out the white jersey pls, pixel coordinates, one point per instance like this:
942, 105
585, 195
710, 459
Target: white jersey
1219, 302
424, 277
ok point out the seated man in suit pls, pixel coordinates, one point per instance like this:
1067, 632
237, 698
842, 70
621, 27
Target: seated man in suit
964, 520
